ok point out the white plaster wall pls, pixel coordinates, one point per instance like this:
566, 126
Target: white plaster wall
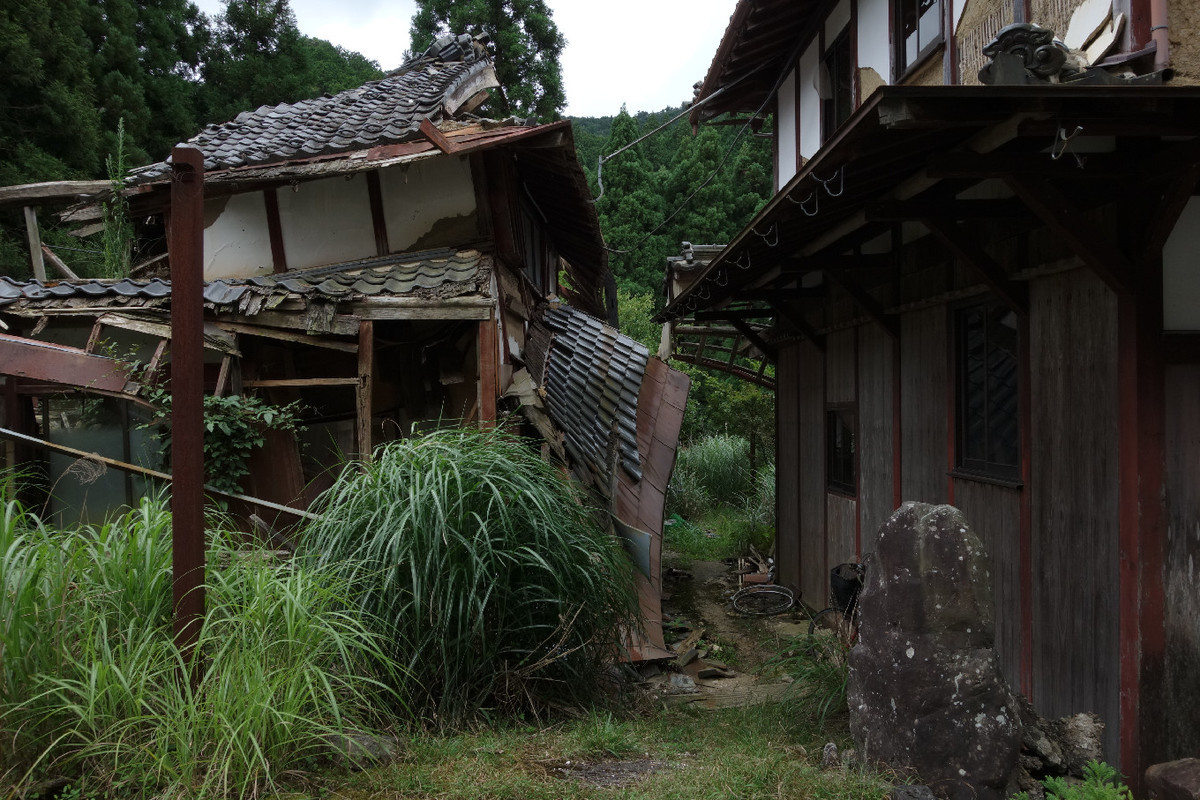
837, 20
874, 50
1181, 272
786, 127
414, 199
236, 241
810, 101
326, 222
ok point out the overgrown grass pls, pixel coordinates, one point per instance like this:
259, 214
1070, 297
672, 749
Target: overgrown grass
90, 681
719, 464
765, 751
492, 580
818, 665
717, 534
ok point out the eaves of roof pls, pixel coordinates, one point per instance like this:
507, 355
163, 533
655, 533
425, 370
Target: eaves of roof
884, 156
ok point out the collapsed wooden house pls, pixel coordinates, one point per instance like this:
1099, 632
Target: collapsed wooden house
386, 259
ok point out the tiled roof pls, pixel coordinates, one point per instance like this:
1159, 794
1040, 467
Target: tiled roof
380, 112
592, 375
443, 273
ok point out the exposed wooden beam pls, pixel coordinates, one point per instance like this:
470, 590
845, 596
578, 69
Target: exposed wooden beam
58, 264
785, 293
986, 267
746, 330
378, 218
298, 383
341, 324
793, 317
842, 261
51, 191
870, 306
288, 336
943, 208
35, 243
730, 314
435, 136
1100, 166
1097, 248
1164, 218
42, 361
366, 384
275, 231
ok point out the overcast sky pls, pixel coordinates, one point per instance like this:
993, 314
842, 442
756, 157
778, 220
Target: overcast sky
644, 53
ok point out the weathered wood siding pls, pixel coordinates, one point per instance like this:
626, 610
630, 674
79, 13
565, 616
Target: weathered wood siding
1182, 563
1074, 492
923, 413
839, 367
876, 375
995, 514
787, 465
840, 519
811, 418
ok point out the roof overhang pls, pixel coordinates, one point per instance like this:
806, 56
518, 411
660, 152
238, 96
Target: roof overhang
758, 44
917, 153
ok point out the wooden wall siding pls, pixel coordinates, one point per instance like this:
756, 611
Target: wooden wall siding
814, 581
1182, 568
923, 412
787, 465
995, 514
839, 367
841, 515
1074, 499
876, 357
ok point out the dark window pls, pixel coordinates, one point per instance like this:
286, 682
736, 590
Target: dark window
989, 421
919, 31
837, 90
840, 472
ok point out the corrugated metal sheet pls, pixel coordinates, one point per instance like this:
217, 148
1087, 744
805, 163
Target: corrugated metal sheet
592, 380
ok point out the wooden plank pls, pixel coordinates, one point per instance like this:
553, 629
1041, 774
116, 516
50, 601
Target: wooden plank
923, 385
1074, 506
288, 336
161, 330
839, 367
787, 466
995, 515
1181, 581
35, 243
279, 383
58, 264
841, 517
436, 312
341, 325
42, 361
50, 190
875, 439
366, 383
811, 419
436, 137
488, 380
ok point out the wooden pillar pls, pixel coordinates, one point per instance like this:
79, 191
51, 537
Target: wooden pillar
487, 373
35, 243
187, 396
366, 375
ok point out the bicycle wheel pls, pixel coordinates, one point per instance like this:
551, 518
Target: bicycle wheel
765, 600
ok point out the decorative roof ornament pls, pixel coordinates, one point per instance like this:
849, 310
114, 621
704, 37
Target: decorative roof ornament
1025, 53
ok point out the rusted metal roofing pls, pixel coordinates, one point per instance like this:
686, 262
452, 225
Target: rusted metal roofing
432, 86
430, 273
591, 374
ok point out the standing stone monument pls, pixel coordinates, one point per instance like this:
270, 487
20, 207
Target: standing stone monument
926, 693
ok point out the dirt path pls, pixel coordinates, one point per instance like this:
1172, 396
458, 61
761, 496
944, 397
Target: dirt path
697, 612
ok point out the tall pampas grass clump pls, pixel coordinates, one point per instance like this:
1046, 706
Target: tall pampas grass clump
496, 586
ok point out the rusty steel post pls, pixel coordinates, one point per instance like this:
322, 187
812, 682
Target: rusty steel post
186, 247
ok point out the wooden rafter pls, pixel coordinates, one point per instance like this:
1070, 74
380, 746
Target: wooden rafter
766, 349
795, 318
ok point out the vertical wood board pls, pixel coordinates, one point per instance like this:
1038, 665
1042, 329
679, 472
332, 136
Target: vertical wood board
839, 367
875, 431
787, 466
840, 519
923, 412
1074, 499
811, 419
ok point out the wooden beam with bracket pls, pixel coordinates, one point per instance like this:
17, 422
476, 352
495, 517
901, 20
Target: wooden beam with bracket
870, 306
769, 351
983, 265
1063, 216
795, 319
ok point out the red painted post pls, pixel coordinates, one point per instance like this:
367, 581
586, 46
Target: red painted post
186, 247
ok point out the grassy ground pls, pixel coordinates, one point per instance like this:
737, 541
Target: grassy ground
718, 533
769, 751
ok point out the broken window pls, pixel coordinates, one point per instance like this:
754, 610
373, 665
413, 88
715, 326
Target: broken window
987, 397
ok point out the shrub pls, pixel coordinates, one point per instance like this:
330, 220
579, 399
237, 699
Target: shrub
91, 675
494, 583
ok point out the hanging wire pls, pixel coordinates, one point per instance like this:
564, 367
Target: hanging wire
839, 175
766, 236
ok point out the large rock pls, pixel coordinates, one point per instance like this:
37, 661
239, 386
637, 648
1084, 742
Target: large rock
926, 693
1174, 780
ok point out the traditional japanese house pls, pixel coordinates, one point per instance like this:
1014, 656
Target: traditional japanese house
385, 258
977, 285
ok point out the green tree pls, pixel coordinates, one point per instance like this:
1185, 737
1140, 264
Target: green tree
527, 47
